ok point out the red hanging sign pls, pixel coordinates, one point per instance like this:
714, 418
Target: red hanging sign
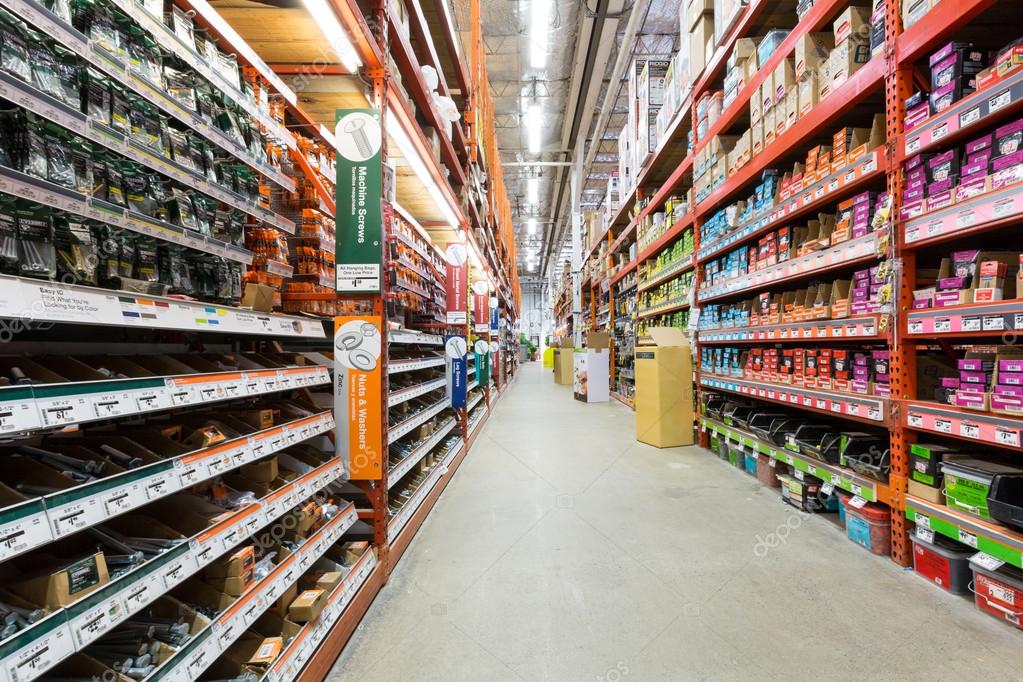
457, 293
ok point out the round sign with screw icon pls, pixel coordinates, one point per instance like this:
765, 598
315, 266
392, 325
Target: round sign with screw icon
358, 136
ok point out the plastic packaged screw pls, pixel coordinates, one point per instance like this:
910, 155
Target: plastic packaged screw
14, 55
76, 250
9, 235
96, 96
60, 168
36, 251
146, 260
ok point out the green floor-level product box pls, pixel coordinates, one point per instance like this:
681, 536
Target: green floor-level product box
968, 483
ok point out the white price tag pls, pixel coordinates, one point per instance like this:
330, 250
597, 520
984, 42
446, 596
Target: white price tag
969, 430
943, 425
916, 327
857, 502
773, 463
998, 101
969, 117
915, 421
994, 323
967, 538
799, 475
827, 489
942, 325
922, 520
987, 561
939, 132
836, 480
970, 324
1008, 437
925, 534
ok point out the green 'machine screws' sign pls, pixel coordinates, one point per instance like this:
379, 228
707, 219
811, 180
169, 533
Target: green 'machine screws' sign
359, 194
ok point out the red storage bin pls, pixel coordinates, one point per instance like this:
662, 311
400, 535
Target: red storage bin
944, 562
766, 473
999, 593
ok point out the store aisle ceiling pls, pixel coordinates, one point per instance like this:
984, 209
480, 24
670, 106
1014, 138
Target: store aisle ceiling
571, 86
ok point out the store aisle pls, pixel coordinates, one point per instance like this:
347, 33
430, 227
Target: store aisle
564, 550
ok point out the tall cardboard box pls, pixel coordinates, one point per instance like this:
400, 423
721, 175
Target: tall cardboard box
591, 377
664, 389
563, 364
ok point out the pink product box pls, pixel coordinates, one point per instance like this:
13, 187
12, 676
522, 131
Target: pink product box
1005, 389
859, 386
1006, 177
983, 142
860, 307
917, 115
939, 201
861, 211
936, 188
972, 388
883, 390
861, 372
970, 401
1006, 403
914, 161
971, 187
951, 283
950, 382
974, 377
975, 364
915, 195
916, 186
1007, 138
1010, 365
860, 295
1007, 160
883, 378
1010, 378
976, 168
860, 360
922, 303
946, 298
946, 50
983, 155
912, 209
874, 271
860, 230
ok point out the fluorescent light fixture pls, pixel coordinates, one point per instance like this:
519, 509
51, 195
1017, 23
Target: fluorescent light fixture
238, 44
531, 226
328, 136
534, 127
539, 33
408, 151
332, 30
533, 191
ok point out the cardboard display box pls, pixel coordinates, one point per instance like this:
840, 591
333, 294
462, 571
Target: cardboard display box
664, 389
563, 365
591, 375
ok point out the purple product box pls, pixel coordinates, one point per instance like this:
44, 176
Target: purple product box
971, 187
914, 195
945, 50
1010, 365
944, 97
939, 186
874, 271
883, 390
917, 115
915, 161
882, 378
859, 307
974, 377
984, 155
915, 173
860, 231
922, 303
912, 209
983, 142
862, 212
1007, 176
859, 386
863, 197
1007, 403
955, 67
861, 274
860, 359
939, 201
1007, 389
946, 298
1011, 378
977, 166
944, 166
950, 382
860, 295
916, 186
970, 401
1008, 137
951, 283
1007, 160
975, 364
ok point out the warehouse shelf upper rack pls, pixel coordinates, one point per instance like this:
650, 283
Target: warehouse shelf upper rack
936, 26
413, 364
75, 509
669, 236
49, 194
860, 328
26, 409
71, 38
997, 430
999, 542
869, 77
839, 477
825, 192
968, 320
864, 408
35, 300
843, 255
983, 212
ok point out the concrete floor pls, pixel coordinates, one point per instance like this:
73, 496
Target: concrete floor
564, 550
